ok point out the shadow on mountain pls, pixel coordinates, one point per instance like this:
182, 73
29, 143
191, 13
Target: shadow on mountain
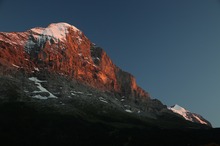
23, 125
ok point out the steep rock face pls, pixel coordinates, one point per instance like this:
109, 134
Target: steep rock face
121, 81
63, 49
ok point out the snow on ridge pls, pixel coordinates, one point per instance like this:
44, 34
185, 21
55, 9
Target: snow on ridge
187, 114
179, 108
55, 30
201, 121
181, 111
63, 25
38, 30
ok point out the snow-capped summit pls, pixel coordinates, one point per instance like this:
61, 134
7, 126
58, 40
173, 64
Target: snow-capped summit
188, 115
57, 31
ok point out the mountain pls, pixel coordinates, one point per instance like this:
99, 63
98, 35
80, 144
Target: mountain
64, 49
56, 84
188, 115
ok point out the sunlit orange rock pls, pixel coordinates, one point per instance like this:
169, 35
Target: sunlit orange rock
62, 48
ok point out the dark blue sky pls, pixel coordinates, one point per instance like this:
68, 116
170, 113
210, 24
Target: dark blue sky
172, 47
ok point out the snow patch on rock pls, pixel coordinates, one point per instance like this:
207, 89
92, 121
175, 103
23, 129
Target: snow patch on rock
41, 88
129, 111
103, 100
16, 66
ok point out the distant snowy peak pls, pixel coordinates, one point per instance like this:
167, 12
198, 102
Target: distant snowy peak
188, 115
180, 110
55, 30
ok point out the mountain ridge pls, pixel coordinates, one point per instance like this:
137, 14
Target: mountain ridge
44, 58
63, 48
193, 117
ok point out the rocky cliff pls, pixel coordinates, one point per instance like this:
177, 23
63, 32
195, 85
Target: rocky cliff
65, 50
